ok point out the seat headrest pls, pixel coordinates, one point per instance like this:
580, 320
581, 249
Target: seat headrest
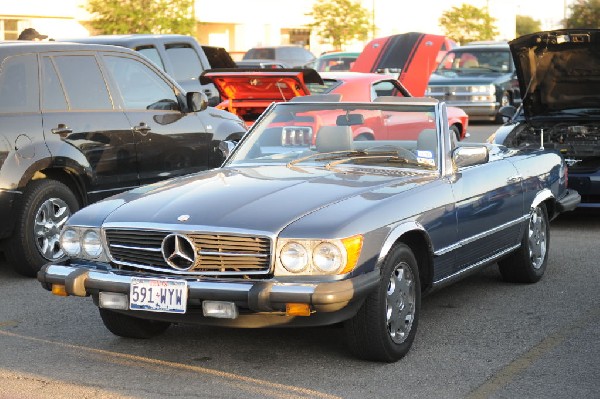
334, 138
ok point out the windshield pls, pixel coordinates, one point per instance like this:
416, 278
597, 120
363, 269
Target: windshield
476, 61
336, 134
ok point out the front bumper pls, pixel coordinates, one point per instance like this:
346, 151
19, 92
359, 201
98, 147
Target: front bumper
331, 301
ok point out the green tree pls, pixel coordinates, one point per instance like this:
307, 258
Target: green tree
142, 16
526, 24
340, 21
468, 23
583, 14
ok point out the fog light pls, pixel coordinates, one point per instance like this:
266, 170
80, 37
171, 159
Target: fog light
111, 300
60, 290
220, 310
297, 309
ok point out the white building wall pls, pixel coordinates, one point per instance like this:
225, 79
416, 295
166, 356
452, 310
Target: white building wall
260, 22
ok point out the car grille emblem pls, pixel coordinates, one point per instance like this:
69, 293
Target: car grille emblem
178, 251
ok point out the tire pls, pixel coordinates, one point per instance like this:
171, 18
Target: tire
131, 327
384, 328
46, 206
528, 263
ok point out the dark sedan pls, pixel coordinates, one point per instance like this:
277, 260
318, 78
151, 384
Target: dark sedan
307, 228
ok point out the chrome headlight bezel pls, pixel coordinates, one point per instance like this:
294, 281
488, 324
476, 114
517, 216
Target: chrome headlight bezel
89, 241
342, 253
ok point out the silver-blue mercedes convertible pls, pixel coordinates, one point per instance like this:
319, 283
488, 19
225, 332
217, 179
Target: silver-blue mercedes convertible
307, 225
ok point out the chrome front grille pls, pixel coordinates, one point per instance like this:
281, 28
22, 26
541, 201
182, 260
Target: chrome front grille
216, 254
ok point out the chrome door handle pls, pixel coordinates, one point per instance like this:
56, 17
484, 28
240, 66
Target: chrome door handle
142, 128
62, 129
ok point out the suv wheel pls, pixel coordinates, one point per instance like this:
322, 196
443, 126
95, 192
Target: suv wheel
46, 206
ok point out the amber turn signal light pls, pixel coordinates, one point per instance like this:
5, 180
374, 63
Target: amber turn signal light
297, 309
58, 289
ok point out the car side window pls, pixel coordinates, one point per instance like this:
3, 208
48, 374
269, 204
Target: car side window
19, 91
83, 82
185, 61
140, 86
383, 88
53, 95
152, 54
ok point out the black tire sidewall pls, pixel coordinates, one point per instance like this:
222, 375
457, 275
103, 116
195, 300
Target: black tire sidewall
537, 274
400, 253
22, 251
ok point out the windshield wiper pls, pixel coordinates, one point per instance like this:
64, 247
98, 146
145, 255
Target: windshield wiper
389, 158
327, 156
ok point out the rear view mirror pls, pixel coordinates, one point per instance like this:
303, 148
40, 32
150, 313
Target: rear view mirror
196, 101
350, 120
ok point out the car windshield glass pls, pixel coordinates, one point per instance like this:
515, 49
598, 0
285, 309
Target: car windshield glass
343, 135
475, 61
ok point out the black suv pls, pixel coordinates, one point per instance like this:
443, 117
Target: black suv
480, 78
79, 123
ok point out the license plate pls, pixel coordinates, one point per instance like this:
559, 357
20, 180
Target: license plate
158, 295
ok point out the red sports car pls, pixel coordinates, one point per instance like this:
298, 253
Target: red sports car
411, 57
248, 93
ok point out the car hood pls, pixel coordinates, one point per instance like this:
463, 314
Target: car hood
412, 56
266, 198
558, 70
265, 85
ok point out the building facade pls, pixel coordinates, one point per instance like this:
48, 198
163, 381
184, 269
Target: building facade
238, 25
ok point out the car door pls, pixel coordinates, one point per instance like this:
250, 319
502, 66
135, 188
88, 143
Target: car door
489, 205
79, 110
169, 142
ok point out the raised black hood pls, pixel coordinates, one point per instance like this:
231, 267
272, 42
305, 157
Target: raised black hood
558, 70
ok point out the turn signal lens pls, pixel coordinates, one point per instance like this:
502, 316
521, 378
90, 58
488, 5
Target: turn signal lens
59, 290
297, 309
353, 247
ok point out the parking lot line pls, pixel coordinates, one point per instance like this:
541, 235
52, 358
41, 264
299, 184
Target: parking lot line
523, 362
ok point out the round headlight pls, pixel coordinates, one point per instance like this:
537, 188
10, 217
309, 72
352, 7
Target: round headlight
327, 257
294, 257
69, 241
92, 245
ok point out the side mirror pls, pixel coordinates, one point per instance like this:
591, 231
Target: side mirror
226, 147
196, 102
469, 156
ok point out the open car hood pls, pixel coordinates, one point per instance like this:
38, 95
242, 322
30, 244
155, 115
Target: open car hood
260, 85
558, 70
412, 57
